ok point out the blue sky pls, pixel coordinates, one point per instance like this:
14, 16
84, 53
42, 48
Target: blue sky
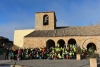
18, 14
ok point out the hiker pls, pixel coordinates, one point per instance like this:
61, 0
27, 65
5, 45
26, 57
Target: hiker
7, 54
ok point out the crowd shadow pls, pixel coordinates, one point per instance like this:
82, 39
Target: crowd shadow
98, 65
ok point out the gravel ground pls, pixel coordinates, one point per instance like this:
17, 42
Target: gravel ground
52, 63
49, 63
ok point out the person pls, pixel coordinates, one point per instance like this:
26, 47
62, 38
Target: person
26, 56
19, 57
58, 45
59, 56
19, 51
55, 56
10, 54
7, 54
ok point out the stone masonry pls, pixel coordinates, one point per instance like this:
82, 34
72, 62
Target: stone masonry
39, 21
81, 41
43, 33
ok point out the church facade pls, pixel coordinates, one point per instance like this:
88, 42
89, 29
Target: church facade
47, 34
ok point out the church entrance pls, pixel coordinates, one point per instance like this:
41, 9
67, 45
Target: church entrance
50, 43
61, 43
91, 46
71, 42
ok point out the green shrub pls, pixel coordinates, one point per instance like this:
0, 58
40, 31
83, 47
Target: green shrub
94, 55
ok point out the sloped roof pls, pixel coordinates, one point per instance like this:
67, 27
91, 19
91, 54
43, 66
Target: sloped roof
67, 31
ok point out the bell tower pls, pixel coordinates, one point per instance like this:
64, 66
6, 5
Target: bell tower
45, 20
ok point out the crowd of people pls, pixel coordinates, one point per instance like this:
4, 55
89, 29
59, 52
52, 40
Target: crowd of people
57, 52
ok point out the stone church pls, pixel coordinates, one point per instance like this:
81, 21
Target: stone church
47, 34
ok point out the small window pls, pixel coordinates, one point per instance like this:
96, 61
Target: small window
45, 20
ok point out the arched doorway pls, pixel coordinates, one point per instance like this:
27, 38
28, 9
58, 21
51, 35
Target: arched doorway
71, 42
91, 46
61, 43
50, 43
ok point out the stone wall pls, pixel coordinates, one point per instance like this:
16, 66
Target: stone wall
39, 21
82, 41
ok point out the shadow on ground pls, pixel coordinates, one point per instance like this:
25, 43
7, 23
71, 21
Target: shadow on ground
2, 57
98, 65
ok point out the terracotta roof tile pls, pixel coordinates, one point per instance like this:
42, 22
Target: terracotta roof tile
67, 31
